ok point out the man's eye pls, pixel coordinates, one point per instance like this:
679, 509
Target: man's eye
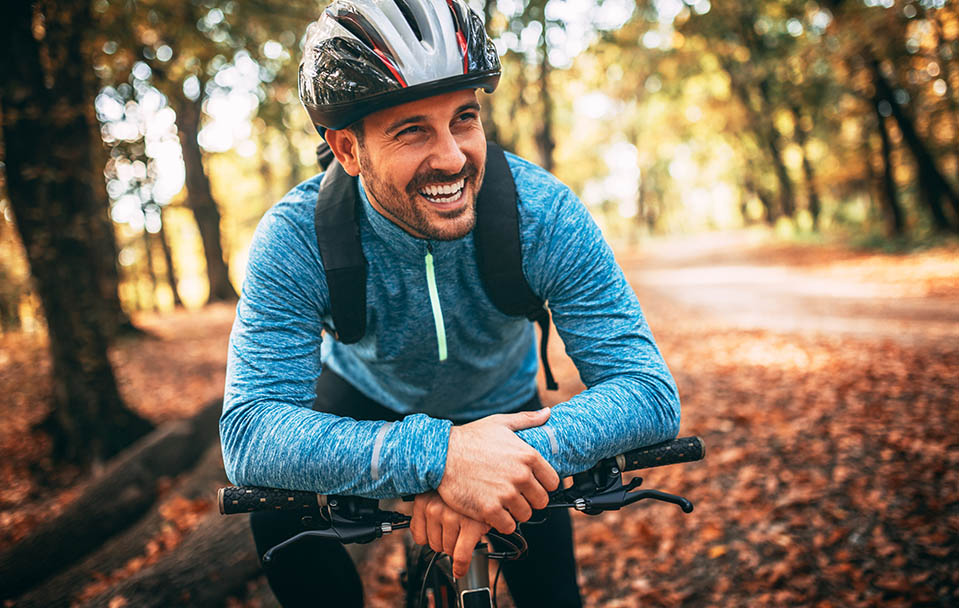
409, 131
468, 116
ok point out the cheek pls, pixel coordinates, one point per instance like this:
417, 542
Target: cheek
476, 152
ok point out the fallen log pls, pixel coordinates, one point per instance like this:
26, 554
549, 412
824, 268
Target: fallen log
62, 590
109, 503
212, 563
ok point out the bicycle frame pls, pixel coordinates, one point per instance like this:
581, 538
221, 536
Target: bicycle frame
473, 590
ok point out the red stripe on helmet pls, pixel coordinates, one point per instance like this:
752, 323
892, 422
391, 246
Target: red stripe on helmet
389, 64
462, 40
460, 37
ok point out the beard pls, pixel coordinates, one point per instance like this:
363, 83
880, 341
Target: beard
412, 212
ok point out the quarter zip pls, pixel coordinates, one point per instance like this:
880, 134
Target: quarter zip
435, 303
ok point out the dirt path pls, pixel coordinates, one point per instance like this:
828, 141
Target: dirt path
741, 282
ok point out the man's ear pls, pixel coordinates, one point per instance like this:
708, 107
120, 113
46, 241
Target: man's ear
346, 149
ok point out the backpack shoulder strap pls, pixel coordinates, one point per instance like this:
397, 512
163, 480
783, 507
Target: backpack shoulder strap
338, 237
499, 253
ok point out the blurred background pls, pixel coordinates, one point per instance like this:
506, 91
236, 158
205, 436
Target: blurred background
779, 179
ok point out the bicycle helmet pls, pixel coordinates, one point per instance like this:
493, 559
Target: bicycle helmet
362, 56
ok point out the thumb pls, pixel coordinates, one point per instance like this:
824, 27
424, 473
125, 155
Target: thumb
525, 420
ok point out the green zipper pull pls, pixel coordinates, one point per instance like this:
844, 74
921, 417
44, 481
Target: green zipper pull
435, 302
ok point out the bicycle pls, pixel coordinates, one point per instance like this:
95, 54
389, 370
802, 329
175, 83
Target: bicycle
429, 579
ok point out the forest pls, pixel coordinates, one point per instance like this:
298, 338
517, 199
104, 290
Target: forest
779, 181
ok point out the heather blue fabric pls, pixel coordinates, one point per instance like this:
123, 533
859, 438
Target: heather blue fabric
272, 437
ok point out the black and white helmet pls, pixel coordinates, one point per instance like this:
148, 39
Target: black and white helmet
366, 55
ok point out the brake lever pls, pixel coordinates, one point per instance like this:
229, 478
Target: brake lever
683, 503
346, 531
615, 498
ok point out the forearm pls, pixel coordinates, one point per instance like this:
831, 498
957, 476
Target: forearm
623, 413
268, 443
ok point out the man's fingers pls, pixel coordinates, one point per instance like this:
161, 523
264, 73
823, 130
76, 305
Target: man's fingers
451, 531
524, 420
519, 509
501, 520
463, 552
418, 523
535, 495
545, 474
434, 528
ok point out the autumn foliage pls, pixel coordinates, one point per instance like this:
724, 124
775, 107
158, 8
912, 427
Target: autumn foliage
832, 470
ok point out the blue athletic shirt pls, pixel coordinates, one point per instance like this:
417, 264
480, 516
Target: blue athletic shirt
435, 349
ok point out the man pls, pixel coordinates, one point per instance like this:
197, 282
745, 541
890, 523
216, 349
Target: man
438, 398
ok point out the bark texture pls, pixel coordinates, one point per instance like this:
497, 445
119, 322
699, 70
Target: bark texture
171, 275
47, 140
813, 202
545, 139
890, 196
62, 590
937, 193
214, 561
111, 502
200, 196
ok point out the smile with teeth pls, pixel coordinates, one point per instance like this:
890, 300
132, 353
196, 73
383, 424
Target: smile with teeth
443, 193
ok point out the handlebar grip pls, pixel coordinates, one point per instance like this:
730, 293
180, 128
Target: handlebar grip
246, 499
684, 449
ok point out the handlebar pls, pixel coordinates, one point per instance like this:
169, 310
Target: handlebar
354, 519
247, 499
684, 449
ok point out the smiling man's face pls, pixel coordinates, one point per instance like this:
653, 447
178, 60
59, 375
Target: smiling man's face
422, 163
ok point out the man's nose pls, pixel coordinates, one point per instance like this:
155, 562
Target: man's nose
447, 155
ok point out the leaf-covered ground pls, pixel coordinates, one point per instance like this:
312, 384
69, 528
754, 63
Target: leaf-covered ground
170, 373
832, 475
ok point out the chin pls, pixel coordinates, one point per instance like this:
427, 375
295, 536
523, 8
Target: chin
453, 228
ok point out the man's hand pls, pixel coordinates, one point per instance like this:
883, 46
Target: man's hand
492, 475
445, 530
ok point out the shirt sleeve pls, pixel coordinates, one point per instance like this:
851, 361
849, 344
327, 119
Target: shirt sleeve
270, 434
631, 399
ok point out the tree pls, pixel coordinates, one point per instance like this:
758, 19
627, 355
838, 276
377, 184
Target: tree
198, 38
887, 67
47, 139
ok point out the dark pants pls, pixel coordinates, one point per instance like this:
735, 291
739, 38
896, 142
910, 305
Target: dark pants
319, 572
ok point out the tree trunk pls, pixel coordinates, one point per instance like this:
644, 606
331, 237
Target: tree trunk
293, 159
62, 590
47, 141
267, 175
116, 321
10, 294
767, 139
486, 107
151, 269
773, 140
936, 191
109, 503
200, 197
890, 195
948, 64
753, 185
214, 561
812, 190
544, 137
519, 106
168, 259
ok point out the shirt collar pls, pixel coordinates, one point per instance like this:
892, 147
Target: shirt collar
400, 241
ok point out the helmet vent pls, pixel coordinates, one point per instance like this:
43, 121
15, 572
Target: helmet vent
408, 15
354, 25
